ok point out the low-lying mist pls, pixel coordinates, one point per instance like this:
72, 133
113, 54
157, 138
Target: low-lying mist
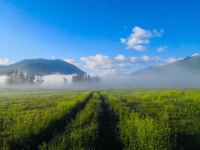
178, 79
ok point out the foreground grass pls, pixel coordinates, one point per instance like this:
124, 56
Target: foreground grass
139, 132
157, 119
82, 132
143, 119
24, 116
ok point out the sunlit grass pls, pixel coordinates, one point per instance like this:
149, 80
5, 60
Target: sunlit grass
25, 115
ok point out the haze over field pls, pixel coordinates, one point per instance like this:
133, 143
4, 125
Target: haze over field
181, 73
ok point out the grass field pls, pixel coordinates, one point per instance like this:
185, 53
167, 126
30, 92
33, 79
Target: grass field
105, 119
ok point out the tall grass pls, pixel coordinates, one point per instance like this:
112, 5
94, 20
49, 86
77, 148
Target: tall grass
140, 132
82, 132
24, 116
148, 119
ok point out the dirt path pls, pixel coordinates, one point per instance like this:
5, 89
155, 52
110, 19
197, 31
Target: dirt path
56, 127
108, 137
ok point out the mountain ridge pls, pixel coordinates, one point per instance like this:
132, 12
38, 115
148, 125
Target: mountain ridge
189, 63
42, 66
181, 73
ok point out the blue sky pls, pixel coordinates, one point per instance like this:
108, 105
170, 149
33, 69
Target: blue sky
91, 33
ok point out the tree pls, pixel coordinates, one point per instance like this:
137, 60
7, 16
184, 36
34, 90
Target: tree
22, 77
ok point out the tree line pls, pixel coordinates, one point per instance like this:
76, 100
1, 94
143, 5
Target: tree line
17, 77
22, 77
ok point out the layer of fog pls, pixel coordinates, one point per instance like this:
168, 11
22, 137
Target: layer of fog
178, 78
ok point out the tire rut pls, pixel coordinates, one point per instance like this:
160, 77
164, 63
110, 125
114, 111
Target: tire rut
108, 138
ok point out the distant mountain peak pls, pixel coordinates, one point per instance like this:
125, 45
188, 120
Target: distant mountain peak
42, 66
181, 73
188, 64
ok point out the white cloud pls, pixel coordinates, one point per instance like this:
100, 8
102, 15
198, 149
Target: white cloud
133, 59
98, 61
161, 49
69, 60
4, 61
146, 58
195, 54
120, 58
139, 38
173, 59
119, 64
103, 64
72, 61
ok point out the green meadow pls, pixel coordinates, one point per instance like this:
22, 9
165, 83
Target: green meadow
165, 119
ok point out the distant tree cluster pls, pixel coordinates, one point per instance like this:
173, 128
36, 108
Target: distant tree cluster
22, 77
85, 78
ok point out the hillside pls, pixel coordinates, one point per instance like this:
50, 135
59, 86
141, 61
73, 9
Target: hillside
183, 72
42, 66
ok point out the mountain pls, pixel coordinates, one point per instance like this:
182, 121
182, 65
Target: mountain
42, 66
180, 73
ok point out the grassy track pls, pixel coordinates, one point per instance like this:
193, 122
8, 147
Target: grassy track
108, 137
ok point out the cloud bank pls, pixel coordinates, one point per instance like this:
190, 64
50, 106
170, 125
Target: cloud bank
120, 64
4, 61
